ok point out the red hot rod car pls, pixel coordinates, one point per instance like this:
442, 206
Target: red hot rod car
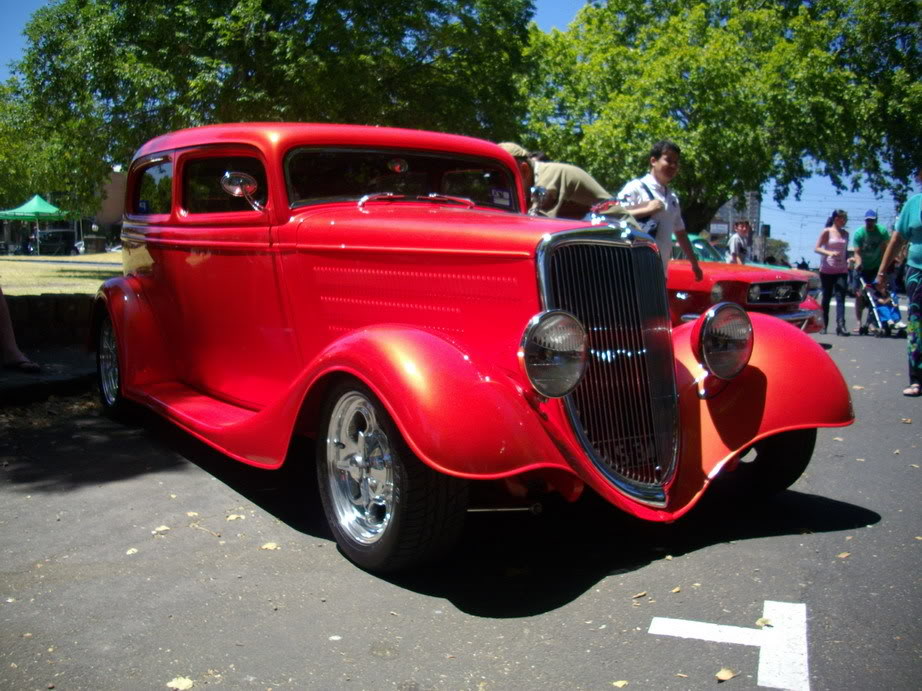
381, 291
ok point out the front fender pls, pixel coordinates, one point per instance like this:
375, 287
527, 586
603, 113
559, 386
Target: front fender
457, 416
790, 383
143, 357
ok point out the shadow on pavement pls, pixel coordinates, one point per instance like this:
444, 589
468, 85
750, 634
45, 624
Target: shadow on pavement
64, 445
516, 564
508, 564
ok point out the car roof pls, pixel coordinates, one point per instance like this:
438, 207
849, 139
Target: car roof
274, 137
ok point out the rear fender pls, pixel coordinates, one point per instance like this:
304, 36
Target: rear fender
142, 355
457, 417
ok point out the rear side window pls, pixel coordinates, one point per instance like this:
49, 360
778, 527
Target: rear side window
202, 191
154, 193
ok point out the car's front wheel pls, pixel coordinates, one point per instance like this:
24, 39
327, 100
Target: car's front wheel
387, 509
774, 464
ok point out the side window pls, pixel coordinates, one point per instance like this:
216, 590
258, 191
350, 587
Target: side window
154, 193
202, 192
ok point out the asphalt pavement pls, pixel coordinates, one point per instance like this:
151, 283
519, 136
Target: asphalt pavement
132, 556
65, 370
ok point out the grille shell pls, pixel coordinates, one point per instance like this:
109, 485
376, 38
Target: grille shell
777, 293
624, 411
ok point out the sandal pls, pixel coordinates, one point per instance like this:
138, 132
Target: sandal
24, 366
913, 390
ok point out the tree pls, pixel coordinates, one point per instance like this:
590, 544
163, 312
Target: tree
752, 91
778, 249
57, 162
110, 74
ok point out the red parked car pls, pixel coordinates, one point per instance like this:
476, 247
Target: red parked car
788, 294
381, 291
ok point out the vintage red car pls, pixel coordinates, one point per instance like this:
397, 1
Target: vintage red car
788, 294
381, 292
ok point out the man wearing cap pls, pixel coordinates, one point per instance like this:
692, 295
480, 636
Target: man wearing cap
571, 191
869, 244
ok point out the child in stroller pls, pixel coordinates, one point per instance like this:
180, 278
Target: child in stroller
884, 314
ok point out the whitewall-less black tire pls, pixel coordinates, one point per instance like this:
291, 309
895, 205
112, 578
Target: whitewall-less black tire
388, 511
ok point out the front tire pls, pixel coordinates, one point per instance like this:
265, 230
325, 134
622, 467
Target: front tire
387, 510
774, 464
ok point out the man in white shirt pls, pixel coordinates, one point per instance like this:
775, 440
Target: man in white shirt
650, 201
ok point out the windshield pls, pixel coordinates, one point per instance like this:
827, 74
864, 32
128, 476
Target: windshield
323, 175
703, 250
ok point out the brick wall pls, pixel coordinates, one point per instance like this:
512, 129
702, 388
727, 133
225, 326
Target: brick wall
50, 319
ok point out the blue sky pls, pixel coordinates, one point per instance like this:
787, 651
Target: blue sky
799, 223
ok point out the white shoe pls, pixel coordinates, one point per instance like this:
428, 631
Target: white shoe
901, 325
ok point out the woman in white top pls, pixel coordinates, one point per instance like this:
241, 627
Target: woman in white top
832, 246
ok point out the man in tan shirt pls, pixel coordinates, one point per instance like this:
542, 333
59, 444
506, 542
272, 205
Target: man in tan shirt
571, 191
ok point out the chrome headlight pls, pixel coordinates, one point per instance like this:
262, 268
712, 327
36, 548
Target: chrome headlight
717, 293
554, 353
755, 292
723, 340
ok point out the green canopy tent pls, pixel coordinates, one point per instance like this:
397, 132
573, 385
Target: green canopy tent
36, 209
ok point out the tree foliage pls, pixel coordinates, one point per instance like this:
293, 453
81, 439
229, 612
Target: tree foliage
752, 91
109, 74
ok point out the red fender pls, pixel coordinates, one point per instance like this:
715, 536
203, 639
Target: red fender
457, 418
124, 301
790, 383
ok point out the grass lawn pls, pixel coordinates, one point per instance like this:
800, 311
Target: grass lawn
41, 274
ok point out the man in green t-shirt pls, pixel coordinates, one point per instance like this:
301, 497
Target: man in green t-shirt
869, 243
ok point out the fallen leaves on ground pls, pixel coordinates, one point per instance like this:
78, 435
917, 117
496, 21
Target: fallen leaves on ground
726, 674
763, 621
236, 517
677, 589
180, 683
642, 593
620, 684
131, 551
269, 545
843, 555
838, 439
857, 387
906, 420
160, 529
44, 414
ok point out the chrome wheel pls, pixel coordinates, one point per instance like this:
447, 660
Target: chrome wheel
107, 359
360, 469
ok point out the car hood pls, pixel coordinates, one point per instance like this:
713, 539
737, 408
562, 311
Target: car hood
414, 226
680, 270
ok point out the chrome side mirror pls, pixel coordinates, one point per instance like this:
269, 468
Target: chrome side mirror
242, 185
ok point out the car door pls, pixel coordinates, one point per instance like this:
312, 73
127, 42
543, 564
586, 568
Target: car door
232, 340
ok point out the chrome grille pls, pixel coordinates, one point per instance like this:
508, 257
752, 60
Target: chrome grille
624, 410
777, 293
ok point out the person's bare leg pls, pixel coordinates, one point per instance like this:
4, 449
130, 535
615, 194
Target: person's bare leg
10, 352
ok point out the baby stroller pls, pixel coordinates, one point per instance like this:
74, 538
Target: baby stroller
883, 312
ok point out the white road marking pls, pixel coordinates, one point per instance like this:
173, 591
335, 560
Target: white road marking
783, 644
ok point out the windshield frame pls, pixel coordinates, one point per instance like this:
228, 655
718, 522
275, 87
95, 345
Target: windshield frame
506, 194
